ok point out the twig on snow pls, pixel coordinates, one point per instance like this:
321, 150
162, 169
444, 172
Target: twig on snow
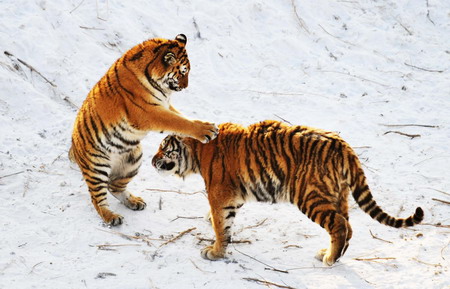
253, 258
374, 259
172, 191
256, 225
103, 275
13, 174
109, 247
65, 98
131, 238
356, 76
200, 239
346, 42
107, 11
412, 136
442, 201
378, 238
76, 7
267, 283
91, 28
286, 121
10, 55
190, 218
32, 268
423, 69
298, 18
425, 263
438, 225
410, 124
442, 250
445, 193
178, 236
428, 13
404, 27
195, 265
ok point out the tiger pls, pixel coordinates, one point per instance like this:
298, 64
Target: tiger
274, 162
131, 99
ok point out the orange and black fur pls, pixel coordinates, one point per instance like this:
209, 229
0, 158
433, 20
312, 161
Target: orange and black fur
131, 99
273, 162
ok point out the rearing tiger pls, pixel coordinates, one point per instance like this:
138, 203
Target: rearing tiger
131, 99
273, 162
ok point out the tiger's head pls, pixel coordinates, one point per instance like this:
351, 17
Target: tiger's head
163, 63
174, 157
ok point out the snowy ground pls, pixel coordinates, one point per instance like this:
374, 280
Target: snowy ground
349, 66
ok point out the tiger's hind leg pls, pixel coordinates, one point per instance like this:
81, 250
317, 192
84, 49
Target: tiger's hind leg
223, 213
96, 175
340, 233
122, 174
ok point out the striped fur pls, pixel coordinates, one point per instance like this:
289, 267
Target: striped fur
131, 99
273, 162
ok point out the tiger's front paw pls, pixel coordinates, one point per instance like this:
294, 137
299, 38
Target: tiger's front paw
209, 253
112, 219
205, 131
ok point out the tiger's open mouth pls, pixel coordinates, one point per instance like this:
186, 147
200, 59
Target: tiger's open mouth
163, 166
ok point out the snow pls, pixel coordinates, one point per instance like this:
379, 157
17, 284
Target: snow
348, 66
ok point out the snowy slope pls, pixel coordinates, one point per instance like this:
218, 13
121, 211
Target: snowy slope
349, 66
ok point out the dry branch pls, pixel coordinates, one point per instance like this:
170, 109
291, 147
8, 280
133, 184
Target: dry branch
375, 237
231, 242
76, 7
190, 218
256, 225
445, 193
412, 136
374, 259
10, 55
195, 265
356, 76
425, 263
423, 69
437, 200
173, 191
131, 238
109, 247
178, 236
436, 225
13, 174
410, 124
428, 13
300, 21
267, 283
286, 121
253, 258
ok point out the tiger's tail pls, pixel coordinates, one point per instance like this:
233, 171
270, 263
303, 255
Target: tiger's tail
364, 198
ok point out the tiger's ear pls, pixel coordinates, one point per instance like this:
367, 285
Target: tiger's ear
181, 38
169, 58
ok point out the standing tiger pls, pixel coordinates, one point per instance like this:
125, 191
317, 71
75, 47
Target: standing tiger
131, 99
273, 162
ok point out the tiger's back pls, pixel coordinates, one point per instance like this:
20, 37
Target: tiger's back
273, 162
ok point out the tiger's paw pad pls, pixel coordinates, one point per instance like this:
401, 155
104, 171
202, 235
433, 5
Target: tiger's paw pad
208, 253
135, 203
